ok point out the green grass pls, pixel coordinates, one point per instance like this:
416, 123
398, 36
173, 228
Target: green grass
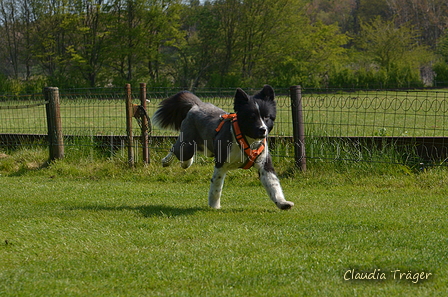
83, 227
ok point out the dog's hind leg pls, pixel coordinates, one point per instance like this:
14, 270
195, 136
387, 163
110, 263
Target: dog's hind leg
216, 184
183, 150
168, 159
185, 153
271, 183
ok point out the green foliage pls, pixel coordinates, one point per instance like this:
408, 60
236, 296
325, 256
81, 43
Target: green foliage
223, 43
442, 47
369, 10
397, 76
441, 71
387, 56
441, 67
310, 55
18, 86
388, 45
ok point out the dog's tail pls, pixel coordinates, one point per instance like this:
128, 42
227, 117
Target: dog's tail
172, 111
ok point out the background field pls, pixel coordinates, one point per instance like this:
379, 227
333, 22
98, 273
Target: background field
82, 227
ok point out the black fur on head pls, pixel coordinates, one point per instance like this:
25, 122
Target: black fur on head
256, 114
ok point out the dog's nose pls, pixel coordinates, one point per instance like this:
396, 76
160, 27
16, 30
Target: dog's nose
262, 131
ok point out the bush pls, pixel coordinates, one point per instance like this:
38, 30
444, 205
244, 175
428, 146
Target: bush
441, 70
18, 86
396, 77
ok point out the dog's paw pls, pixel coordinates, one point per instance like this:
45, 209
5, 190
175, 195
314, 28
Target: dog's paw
214, 204
285, 205
186, 164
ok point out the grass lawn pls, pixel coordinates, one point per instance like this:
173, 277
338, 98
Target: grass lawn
101, 229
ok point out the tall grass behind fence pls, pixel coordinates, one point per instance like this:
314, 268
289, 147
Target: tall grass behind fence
340, 125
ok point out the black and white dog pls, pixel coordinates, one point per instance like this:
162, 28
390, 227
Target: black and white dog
236, 140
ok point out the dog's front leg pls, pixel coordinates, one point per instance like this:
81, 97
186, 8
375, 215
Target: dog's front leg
271, 183
216, 184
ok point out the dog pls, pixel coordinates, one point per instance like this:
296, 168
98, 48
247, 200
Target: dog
236, 140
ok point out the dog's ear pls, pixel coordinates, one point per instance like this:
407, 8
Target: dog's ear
266, 94
241, 96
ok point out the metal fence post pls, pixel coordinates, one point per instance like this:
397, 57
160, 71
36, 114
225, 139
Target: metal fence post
54, 123
298, 127
145, 125
129, 115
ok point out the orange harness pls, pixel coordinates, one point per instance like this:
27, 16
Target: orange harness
252, 155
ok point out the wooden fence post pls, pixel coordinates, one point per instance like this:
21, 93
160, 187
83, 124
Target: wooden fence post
145, 125
54, 123
298, 127
129, 115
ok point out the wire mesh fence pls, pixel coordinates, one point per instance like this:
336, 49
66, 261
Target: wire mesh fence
392, 126
93, 112
399, 126
22, 114
377, 113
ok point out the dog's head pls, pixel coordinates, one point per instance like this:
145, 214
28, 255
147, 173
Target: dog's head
256, 114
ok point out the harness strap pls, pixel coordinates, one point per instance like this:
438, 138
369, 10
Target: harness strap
251, 154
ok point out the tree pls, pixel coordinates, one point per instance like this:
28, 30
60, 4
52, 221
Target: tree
243, 41
87, 53
393, 50
442, 47
200, 52
52, 37
430, 17
333, 12
9, 17
218, 43
387, 44
311, 55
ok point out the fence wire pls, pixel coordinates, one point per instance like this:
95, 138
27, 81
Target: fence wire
340, 125
22, 120
376, 113
93, 112
399, 126
22, 114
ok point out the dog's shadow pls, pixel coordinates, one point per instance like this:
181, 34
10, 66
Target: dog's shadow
147, 211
